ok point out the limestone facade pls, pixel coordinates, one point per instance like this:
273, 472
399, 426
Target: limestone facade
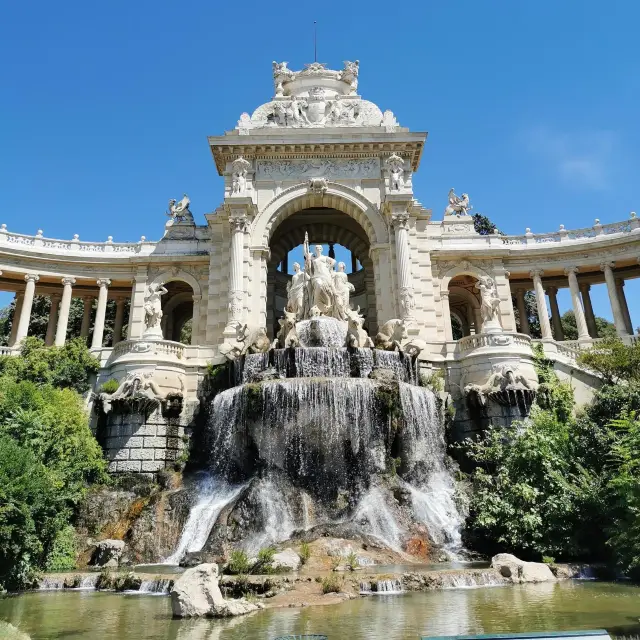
320, 159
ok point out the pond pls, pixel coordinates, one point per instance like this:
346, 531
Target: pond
532, 607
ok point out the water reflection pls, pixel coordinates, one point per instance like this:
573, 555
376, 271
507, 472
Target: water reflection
540, 607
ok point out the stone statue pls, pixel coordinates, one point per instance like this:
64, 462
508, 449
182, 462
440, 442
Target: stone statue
297, 292
506, 386
137, 387
391, 335
457, 206
179, 211
153, 309
490, 302
356, 335
239, 168
350, 74
287, 336
247, 341
342, 288
321, 291
281, 73
395, 165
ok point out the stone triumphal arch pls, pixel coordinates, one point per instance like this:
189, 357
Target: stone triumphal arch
316, 161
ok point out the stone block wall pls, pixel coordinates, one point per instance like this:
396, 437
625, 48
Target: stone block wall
139, 443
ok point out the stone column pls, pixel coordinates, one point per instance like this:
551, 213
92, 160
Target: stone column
400, 222
98, 325
195, 322
239, 222
623, 305
583, 331
618, 315
16, 317
446, 312
119, 321
588, 309
136, 309
63, 317
522, 311
477, 319
543, 312
27, 303
471, 321
558, 332
86, 316
53, 319
354, 262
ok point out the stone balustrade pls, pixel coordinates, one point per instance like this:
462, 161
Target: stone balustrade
148, 347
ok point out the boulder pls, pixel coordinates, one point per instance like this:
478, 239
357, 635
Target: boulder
107, 553
287, 559
520, 571
197, 593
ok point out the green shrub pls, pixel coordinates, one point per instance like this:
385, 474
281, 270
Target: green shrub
548, 559
352, 561
62, 556
264, 561
238, 563
305, 552
110, 386
331, 584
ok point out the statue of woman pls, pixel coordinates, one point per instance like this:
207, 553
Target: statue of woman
343, 288
296, 289
153, 307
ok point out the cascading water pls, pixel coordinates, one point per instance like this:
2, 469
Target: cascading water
322, 435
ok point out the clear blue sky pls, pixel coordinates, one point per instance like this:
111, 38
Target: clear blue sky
531, 107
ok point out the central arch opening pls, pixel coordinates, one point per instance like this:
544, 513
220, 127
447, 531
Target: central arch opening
342, 238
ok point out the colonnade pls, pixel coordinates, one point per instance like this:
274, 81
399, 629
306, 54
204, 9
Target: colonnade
581, 304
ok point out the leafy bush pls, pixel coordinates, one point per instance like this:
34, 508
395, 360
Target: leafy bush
331, 584
613, 359
352, 561
238, 563
305, 552
62, 556
110, 386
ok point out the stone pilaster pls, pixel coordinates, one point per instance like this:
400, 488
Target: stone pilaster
618, 316
541, 301
53, 319
583, 331
522, 311
399, 218
588, 309
27, 304
558, 332
63, 316
98, 325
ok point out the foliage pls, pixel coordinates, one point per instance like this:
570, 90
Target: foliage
305, 552
484, 226
238, 563
185, 332
62, 556
605, 328
553, 395
351, 561
48, 457
614, 360
110, 386
331, 584
71, 366
265, 560
434, 381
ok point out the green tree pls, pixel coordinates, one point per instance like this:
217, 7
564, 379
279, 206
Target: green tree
614, 360
605, 328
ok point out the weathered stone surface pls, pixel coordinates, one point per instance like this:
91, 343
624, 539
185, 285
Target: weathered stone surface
107, 553
197, 593
518, 570
287, 559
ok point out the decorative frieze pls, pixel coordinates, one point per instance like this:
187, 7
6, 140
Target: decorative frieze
339, 168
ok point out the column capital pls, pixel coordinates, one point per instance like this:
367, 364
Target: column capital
68, 280
31, 277
569, 270
607, 265
103, 282
399, 219
536, 273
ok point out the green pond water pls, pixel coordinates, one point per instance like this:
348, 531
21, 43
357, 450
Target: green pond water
542, 607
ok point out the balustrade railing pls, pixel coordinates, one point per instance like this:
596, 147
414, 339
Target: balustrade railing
479, 340
148, 347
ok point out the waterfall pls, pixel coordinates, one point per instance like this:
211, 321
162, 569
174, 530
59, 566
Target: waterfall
382, 587
213, 496
51, 583
275, 514
468, 580
157, 586
379, 521
433, 490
